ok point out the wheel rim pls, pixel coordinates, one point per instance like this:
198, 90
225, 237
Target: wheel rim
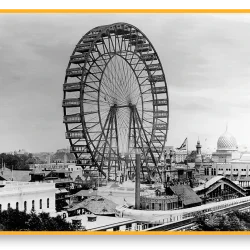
115, 100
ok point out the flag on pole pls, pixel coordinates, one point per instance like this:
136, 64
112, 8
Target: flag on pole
183, 145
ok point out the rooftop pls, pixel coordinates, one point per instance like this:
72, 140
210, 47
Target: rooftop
101, 221
89, 192
208, 183
186, 193
17, 175
19, 187
96, 205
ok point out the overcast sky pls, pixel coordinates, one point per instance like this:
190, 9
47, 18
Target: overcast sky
206, 59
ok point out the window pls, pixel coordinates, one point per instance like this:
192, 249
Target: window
159, 206
206, 171
41, 204
116, 228
25, 206
214, 171
153, 206
33, 205
8, 206
17, 206
48, 203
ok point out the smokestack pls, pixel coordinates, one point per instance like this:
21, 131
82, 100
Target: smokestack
65, 159
137, 179
164, 176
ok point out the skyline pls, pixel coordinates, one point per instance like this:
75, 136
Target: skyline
200, 55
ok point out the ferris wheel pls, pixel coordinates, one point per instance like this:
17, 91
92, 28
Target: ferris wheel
116, 100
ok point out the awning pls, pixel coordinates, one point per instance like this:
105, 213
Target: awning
61, 191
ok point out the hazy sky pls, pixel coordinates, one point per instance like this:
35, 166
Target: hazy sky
206, 59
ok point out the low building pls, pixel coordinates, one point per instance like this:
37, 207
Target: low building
105, 223
94, 204
173, 197
21, 152
26, 196
219, 188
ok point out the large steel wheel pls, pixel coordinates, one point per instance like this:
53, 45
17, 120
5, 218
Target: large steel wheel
116, 100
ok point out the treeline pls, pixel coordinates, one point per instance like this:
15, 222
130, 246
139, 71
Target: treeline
191, 157
15, 220
18, 162
233, 221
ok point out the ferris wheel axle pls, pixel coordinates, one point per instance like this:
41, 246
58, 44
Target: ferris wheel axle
123, 106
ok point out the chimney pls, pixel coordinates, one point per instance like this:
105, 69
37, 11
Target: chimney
48, 159
65, 159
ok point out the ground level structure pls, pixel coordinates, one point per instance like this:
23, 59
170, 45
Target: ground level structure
27, 196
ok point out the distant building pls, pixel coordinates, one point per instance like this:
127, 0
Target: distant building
179, 155
21, 152
173, 197
63, 150
227, 160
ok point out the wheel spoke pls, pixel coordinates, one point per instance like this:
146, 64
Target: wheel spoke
114, 94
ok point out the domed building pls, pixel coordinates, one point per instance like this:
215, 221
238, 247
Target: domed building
227, 161
227, 149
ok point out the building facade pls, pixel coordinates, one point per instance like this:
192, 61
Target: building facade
27, 196
227, 160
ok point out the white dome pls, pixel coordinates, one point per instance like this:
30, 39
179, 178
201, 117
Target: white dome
227, 142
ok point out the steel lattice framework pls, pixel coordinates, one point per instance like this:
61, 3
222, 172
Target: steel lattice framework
115, 100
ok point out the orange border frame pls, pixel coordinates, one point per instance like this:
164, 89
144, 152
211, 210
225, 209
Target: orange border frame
138, 11
125, 233
109, 11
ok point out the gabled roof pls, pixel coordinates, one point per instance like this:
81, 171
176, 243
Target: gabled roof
215, 179
208, 183
186, 193
96, 205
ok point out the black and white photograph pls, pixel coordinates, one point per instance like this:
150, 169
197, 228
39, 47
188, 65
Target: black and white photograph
124, 122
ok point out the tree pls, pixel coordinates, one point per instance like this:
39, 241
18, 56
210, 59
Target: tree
220, 222
15, 220
18, 162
